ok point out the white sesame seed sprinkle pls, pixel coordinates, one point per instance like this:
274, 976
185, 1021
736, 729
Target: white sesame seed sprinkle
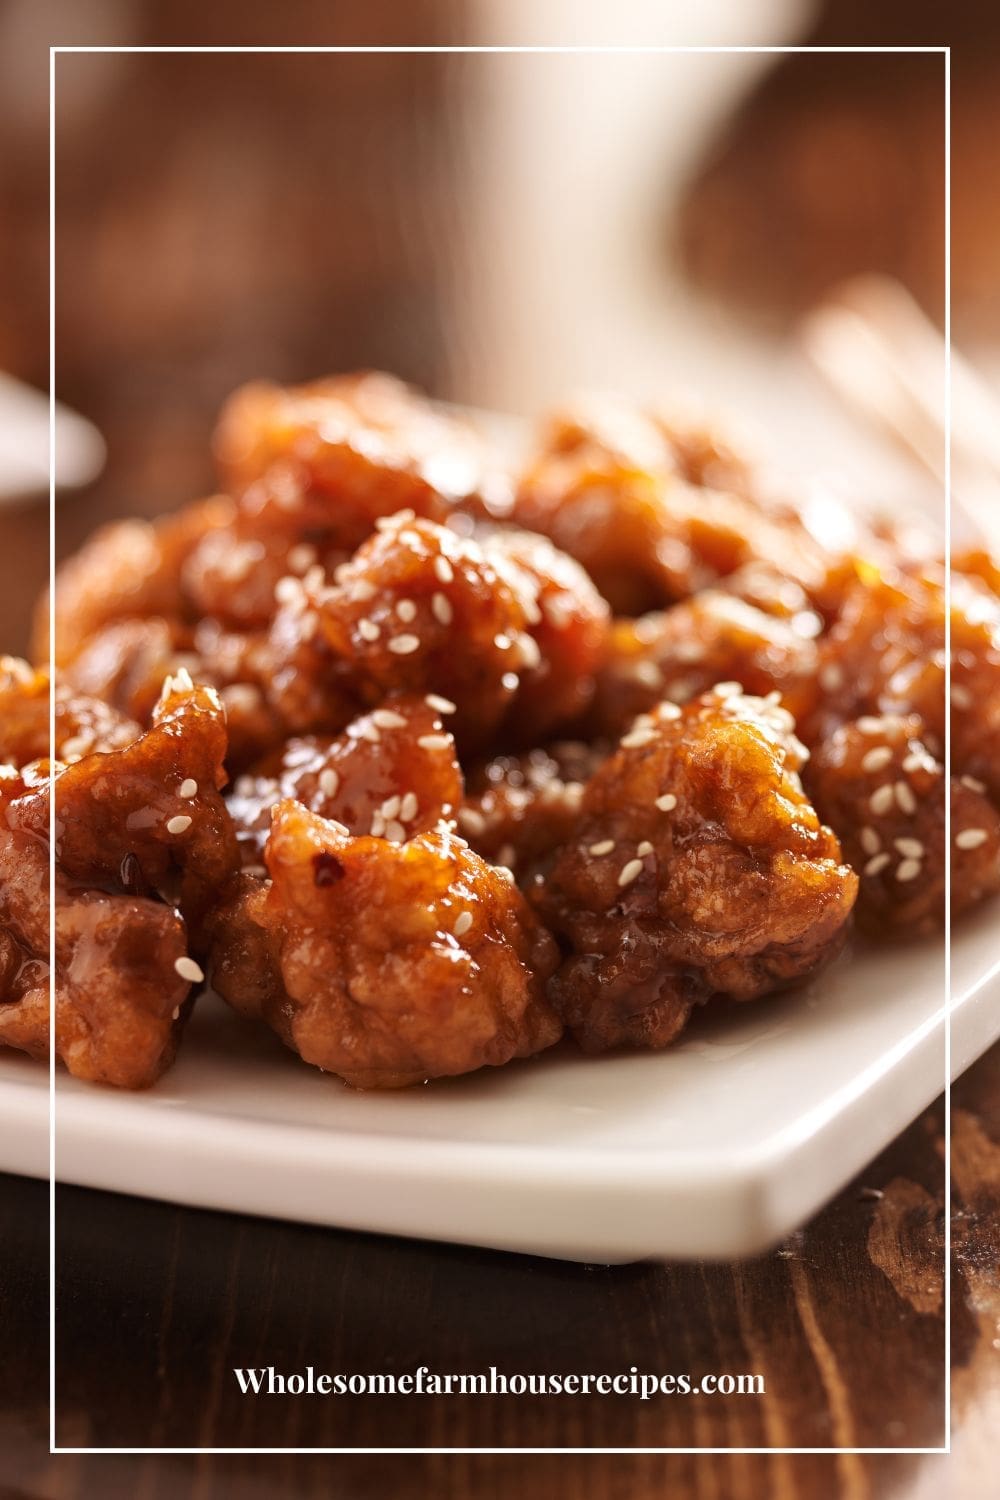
188, 788
881, 800
367, 732
877, 863
831, 677
462, 923
974, 784
442, 609
908, 869
960, 696
631, 871
910, 848
301, 557
667, 802
877, 759
441, 705
636, 738
189, 970
434, 741
408, 807
368, 630
868, 724
390, 807
643, 849
667, 711
180, 824
869, 840
395, 832
443, 569
182, 681
605, 846
329, 781
905, 800
971, 838
387, 718
404, 645
406, 610
510, 682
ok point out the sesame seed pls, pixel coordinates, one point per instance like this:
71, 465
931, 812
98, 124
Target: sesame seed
404, 645
287, 589
301, 557
636, 738
367, 732
880, 800
175, 1013
362, 590
442, 705
188, 788
406, 610
182, 681
831, 677
630, 872
180, 824
908, 869
510, 682
408, 807
868, 724
877, 759
410, 538
390, 807
877, 863
506, 872
644, 848
472, 819
368, 630
974, 784
727, 689
648, 673
189, 970
442, 609
910, 848
395, 832
462, 923
530, 654
444, 569
667, 711
667, 802
434, 741
329, 781
502, 642
905, 800
604, 847
971, 838
387, 718
869, 840
960, 696
378, 825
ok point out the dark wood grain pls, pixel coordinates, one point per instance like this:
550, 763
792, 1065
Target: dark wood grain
157, 1304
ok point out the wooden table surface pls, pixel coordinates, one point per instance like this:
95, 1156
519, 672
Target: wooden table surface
845, 1321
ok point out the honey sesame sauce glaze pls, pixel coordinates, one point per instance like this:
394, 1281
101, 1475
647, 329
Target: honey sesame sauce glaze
428, 762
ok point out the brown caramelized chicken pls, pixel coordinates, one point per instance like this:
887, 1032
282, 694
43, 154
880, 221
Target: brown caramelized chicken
425, 757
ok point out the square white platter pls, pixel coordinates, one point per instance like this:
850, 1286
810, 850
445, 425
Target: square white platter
719, 1146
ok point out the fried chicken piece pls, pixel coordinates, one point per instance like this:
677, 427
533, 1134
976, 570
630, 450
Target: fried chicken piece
350, 449
150, 818
646, 536
24, 712
518, 807
886, 655
128, 570
697, 868
714, 637
397, 962
24, 916
392, 773
509, 632
883, 792
118, 994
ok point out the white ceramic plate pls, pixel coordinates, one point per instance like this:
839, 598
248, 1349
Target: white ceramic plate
717, 1147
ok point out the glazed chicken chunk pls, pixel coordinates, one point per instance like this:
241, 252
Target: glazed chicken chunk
387, 963
697, 868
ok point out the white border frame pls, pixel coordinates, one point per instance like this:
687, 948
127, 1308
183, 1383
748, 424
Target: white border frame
594, 50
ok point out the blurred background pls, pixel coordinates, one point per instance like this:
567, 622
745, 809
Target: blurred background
501, 229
